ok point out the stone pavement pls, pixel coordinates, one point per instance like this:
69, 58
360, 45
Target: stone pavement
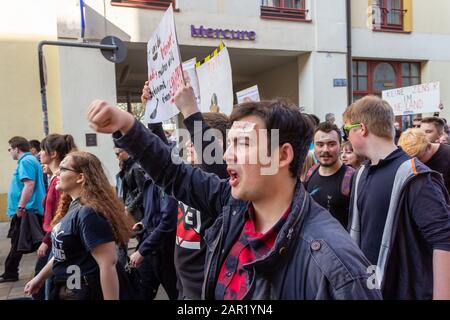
14, 290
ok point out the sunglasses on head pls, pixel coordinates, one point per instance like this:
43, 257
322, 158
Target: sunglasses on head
348, 127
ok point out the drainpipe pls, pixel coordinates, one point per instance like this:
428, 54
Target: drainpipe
349, 53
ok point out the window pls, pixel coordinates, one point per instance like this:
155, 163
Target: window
372, 77
410, 74
293, 10
145, 4
388, 15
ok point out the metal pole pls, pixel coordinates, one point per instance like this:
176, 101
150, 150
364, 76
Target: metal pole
41, 44
349, 53
129, 109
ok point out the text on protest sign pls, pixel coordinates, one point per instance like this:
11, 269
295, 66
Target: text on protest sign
421, 98
164, 70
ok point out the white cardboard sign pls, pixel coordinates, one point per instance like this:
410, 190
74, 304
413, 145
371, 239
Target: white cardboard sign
421, 98
164, 70
216, 84
248, 95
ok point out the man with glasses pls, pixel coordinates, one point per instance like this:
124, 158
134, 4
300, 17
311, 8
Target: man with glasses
399, 209
25, 196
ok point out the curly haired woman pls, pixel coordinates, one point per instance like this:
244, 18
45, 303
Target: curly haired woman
89, 222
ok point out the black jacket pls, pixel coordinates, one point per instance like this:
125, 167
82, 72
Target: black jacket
312, 258
133, 179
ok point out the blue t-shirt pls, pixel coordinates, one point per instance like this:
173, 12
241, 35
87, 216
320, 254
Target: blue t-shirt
28, 167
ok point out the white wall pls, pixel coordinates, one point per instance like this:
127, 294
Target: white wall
413, 46
279, 82
85, 76
137, 25
317, 94
329, 17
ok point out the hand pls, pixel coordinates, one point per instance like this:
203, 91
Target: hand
33, 286
185, 100
138, 226
104, 118
42, 250
136, 259
19, 213
146, 94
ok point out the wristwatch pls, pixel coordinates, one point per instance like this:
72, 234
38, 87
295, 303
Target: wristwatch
21, 208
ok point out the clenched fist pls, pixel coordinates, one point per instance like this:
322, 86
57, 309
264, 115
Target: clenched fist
104, 118
185, 100
146, 94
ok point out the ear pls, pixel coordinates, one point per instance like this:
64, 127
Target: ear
286, 155
80, 179
53, 155
364, 130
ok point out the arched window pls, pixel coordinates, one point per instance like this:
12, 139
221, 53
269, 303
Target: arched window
384, 77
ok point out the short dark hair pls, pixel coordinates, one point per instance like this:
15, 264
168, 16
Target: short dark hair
314, 119
293, 126
20, 142
59, 143
438, 122
327, 127
35, 144
219, 121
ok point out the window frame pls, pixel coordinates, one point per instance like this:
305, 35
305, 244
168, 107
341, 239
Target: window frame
146, 4
371, 64
282, 12
383, 24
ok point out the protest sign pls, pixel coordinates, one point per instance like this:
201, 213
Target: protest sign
190, 74
248, 95
164, 70
216, 84
421, 98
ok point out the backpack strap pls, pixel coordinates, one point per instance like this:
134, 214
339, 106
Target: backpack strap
347, 180
311, 172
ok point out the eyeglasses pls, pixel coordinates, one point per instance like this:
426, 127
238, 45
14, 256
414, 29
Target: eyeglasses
347, 127
62, 169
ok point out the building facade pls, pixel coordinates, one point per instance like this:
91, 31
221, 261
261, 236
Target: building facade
296, 49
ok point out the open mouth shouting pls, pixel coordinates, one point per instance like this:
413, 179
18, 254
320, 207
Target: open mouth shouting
234, 177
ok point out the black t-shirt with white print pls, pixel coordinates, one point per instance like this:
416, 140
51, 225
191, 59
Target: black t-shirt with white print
327, 192
73, 238
190, 250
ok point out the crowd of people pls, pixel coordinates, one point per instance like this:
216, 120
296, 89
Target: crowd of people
347, 214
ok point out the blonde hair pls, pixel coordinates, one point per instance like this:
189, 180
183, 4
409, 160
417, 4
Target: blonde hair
375, 113
309, 162
413, 142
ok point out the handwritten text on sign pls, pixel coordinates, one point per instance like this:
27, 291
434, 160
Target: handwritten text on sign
421, 98
164, 70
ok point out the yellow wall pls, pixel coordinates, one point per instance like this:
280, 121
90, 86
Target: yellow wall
430, 16
22, 25
360, 18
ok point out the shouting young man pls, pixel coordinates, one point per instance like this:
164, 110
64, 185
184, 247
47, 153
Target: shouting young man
265, 221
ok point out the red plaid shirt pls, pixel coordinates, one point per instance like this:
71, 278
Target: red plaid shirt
233, 282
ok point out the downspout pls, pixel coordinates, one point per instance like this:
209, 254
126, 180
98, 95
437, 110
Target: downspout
349, 53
